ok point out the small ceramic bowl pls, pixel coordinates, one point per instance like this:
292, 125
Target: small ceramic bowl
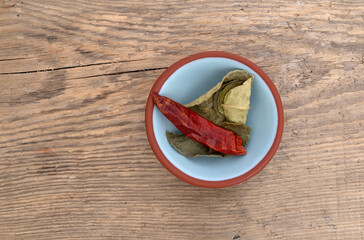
190, 78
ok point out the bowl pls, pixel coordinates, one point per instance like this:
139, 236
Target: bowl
190, 78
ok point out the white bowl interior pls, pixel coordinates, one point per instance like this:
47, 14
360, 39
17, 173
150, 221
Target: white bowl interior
193, 80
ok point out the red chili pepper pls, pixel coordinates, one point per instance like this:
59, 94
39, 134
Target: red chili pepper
198, 128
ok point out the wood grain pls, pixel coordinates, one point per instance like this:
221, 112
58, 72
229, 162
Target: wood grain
75, 162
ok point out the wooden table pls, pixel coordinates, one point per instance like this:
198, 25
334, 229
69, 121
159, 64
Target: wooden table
75, 162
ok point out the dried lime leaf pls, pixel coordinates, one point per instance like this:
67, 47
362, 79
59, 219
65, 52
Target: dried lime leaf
209, 105
222, 94
189, 147
219, 107
241, 130
236, 102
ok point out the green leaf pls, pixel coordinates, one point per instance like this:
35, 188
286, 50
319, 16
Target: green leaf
222, 94
209, 105
225, 105
236, 102
188, 147
240, 129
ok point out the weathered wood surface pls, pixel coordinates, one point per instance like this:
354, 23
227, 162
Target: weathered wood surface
75, 162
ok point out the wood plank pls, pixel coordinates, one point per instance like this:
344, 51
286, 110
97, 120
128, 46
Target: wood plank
75, 162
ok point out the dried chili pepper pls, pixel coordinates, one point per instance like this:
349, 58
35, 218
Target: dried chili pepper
198, 128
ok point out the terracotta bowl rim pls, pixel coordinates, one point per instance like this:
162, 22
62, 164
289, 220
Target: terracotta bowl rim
174, 170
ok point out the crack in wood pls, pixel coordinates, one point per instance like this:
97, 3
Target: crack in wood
124, 72
11, 59
62, 68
